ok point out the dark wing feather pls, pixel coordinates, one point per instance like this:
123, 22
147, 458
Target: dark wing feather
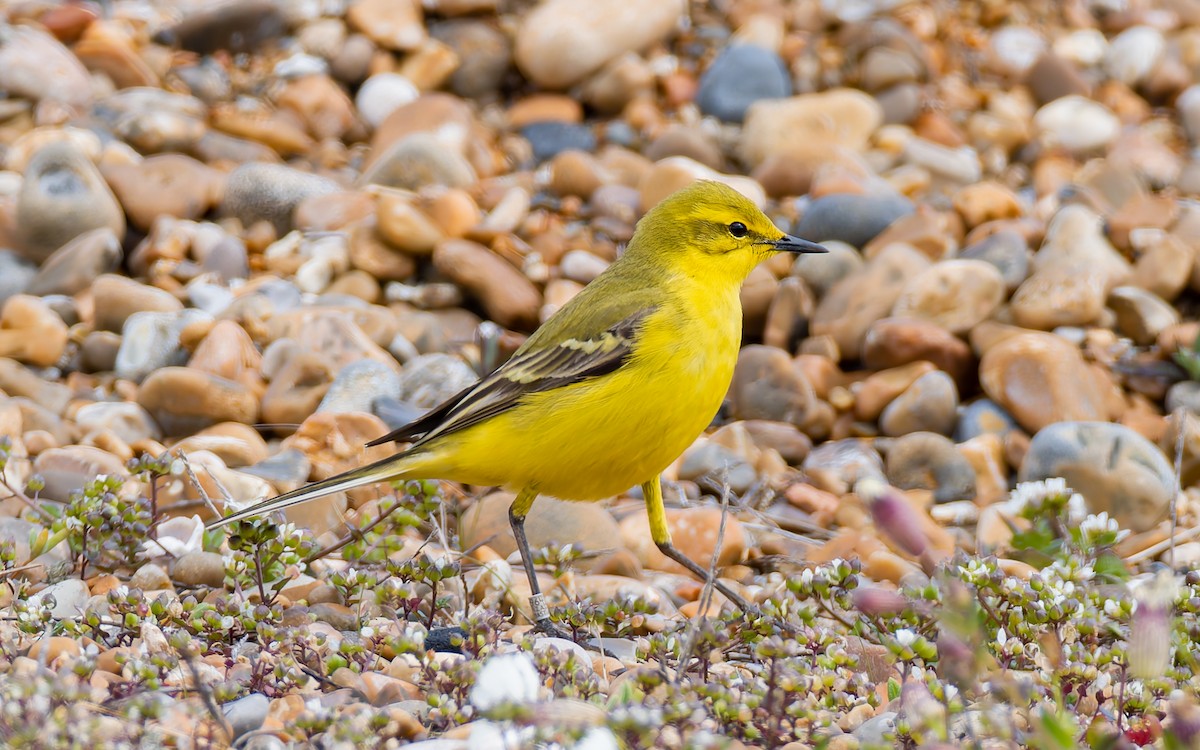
567, 362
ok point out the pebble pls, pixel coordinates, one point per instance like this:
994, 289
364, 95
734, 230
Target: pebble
271, 192
1007, 251
845, 314
1076, 124
853, 219
16, 274
955, 294
417, 161
1039, 379
562, 41
982, 417
150, 341
718, 466
838, 117
237, 27
30, 332
930, 404
35, 65
166, 184
394, 24
739, 76
69, 468
199, 568
126, 420
358, 386
382, 94
549, 139
70, 269
484, 53
246, 714
1059, 296
1053, 77
892, 342
116, 298
694, 532
1116, 470
676, 172
150, 577
18, 380
183, 401
63, 196
1133, 53
1141, 315
506, 295
68, 596
768, 385
586, 525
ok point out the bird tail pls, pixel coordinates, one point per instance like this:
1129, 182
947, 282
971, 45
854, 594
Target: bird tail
391, 467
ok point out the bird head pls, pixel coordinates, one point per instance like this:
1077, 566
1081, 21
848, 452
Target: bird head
708, 227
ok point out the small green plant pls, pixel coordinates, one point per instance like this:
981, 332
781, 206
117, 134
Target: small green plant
264, 556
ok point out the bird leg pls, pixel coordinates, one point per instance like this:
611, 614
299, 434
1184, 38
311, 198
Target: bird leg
516, 518
661, 535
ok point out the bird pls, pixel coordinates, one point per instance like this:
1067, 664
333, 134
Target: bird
610, 390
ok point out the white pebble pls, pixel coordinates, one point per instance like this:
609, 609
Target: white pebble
1076, 123
382, 94
505, 678
1133, 53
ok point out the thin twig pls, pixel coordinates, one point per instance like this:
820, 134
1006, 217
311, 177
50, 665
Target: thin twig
1181, 417
24, 499
187, 467
351, 536
1158, 547
206, 696
706, 594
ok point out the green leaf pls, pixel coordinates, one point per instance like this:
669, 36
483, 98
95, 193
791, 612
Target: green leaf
1058, 728
893, 689
1110, 568
1037, 546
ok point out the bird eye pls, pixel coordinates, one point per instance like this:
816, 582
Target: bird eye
738, 229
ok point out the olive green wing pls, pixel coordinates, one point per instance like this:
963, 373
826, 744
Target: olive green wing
533, 369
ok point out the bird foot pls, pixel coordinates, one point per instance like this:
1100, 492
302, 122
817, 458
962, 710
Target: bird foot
541, 617
546, 627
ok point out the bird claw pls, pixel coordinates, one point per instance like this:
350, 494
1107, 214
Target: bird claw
546, 627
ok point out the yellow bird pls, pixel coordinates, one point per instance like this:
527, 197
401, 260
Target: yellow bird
611, 389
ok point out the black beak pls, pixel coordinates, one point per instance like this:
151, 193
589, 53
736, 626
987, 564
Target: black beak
790, 244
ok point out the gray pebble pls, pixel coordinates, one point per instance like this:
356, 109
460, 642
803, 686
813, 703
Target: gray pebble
853, 219
741, 75
926, 460
358, 386
1114, 468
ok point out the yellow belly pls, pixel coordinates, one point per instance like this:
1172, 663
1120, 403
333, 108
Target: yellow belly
596, 439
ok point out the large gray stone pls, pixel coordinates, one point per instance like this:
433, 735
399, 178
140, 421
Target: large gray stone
1114, 468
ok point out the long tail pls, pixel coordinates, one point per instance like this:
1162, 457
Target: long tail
392, 467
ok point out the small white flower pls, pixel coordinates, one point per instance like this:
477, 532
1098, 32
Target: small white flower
489, 735
905, 637
597, 738
506, 678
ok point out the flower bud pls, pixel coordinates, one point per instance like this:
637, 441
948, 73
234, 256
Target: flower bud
1149, 649
876, 601
894, 516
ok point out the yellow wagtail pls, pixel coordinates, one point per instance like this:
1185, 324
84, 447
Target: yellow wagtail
611, 389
